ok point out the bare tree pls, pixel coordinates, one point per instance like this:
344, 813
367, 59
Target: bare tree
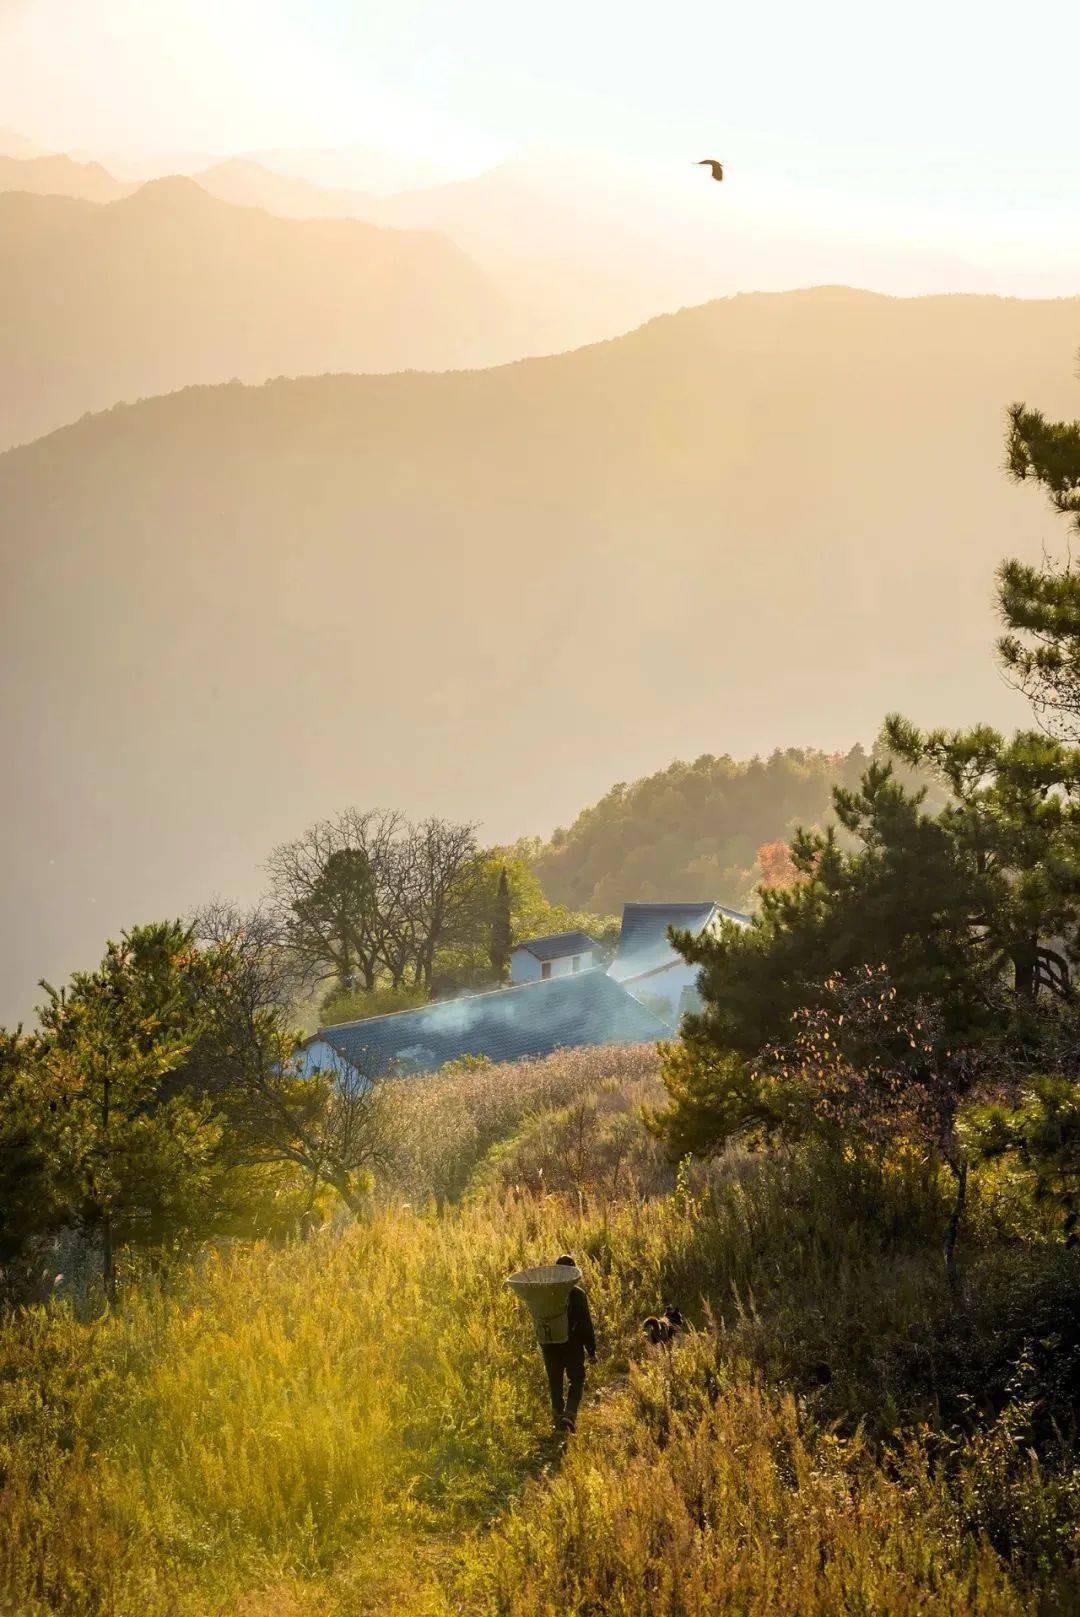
331, 1124
274, 1113
353, 1132
263, 965
330, 891
398, 931
442, 859
366, 896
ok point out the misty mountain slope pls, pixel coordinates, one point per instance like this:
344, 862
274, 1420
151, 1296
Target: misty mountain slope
594, 245
12, 144
354, 167
763, 522
251, 185
692, 831
589, 252
171, 286
57, 175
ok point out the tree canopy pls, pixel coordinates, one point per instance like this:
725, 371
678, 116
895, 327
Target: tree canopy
157, 1103
693, 830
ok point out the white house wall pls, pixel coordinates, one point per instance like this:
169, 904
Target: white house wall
665, 988
525, 968
318, 1056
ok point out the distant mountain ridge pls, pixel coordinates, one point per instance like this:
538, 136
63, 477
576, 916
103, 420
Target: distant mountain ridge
584, 247
249, 184
352, 168
169, 286
60, 176
12, 144
230, 611
241, 181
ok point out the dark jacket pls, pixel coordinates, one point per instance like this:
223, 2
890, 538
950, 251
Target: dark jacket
580, 1321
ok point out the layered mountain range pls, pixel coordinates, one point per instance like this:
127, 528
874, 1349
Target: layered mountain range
167, 285
492, 593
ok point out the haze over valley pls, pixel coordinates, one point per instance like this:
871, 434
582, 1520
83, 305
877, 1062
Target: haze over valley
574, 247
766, 521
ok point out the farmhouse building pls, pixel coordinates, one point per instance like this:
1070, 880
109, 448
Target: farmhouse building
559, 999
646, 962
558, 955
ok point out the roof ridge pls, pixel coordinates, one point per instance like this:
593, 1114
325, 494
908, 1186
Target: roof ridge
567, 932
574, 939
673, 904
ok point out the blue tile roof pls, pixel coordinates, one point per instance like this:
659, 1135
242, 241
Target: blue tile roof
508, 1024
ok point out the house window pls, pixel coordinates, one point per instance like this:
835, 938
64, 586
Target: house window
545, 969
575, 964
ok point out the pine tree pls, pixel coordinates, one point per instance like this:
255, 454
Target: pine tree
1042, 1133
1014, 819
134, 1146
953, 908
1040, 606
901, 897
30, 1201
502, 937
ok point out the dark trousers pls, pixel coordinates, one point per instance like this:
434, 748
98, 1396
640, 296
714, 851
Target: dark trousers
565, 1361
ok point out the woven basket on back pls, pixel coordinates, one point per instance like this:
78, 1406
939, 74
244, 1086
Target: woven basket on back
544, 1292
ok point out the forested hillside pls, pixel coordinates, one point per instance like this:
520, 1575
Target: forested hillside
693, 830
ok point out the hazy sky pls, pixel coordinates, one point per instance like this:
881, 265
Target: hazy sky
947, 103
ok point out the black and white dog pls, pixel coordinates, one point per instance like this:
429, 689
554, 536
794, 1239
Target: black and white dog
662, 1329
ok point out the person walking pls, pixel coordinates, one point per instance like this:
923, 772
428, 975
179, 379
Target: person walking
565, 1361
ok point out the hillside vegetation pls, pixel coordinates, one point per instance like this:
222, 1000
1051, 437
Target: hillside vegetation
693, 830
354, 1422
773, 516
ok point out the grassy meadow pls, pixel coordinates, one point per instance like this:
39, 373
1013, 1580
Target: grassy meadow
356, 1422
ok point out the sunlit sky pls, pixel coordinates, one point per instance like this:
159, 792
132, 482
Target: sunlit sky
951, 103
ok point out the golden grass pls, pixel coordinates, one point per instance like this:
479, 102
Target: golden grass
701, 1492
356, 1422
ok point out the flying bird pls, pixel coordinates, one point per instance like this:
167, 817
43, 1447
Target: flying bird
717, 168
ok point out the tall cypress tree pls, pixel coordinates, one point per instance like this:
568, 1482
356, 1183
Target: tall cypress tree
1040, 606
502, 939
